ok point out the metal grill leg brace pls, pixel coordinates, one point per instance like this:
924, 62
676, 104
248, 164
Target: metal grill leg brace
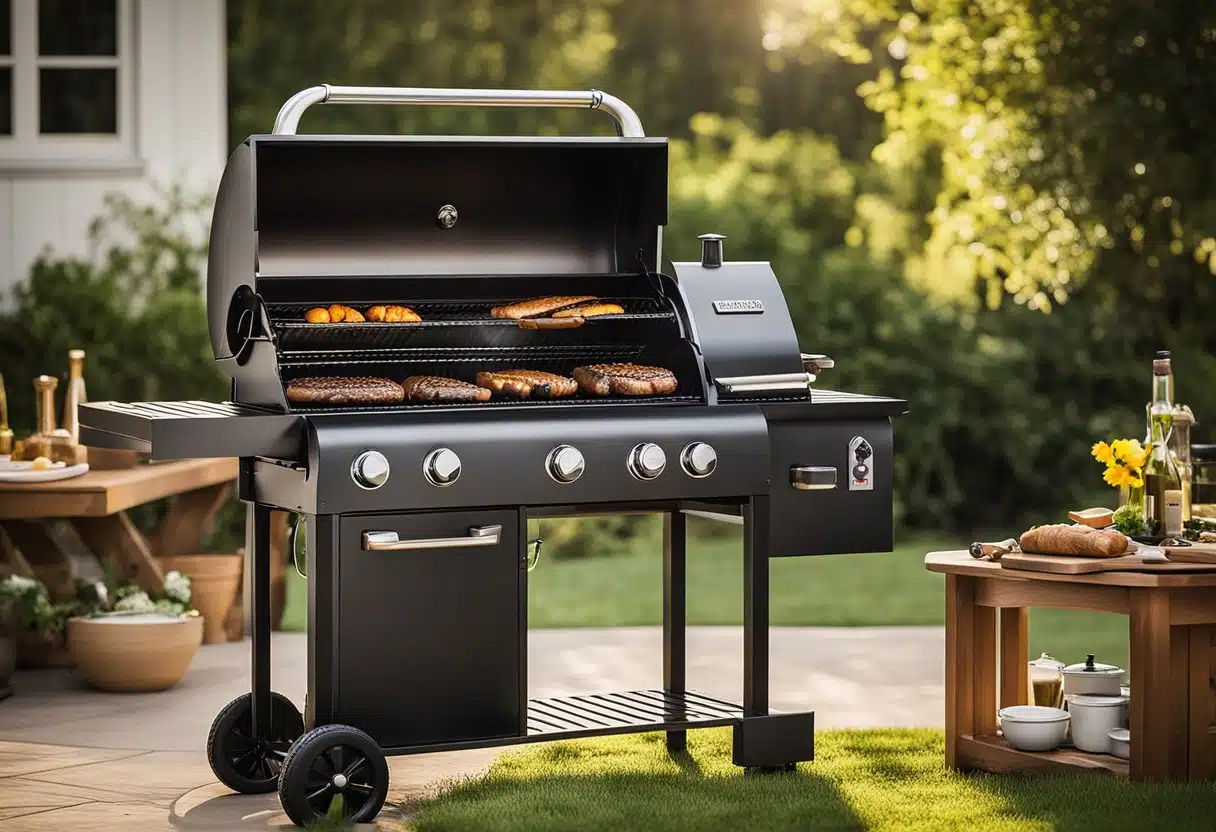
764, 741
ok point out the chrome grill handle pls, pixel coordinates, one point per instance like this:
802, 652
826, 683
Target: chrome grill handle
288, 119
390, 542
777, 383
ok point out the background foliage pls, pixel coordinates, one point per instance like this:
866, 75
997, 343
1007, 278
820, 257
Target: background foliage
997, 209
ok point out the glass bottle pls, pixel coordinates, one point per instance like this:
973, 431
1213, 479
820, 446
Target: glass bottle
75, 395
6, 433
1180, 449
1161, 474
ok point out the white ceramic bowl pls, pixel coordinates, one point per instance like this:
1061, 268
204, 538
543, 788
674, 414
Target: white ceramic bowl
1034, 727
1120, 740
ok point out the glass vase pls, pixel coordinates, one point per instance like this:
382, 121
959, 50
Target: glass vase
1132, 495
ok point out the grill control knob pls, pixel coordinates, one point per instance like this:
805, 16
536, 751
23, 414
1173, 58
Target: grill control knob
565, 463
441, 467
369, 470
699, 459
647, 461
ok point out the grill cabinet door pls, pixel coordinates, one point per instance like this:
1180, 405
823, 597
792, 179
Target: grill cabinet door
429, 640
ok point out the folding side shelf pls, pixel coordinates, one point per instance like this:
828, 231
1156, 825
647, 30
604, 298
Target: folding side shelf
184, 430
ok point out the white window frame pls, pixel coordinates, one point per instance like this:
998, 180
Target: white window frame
26, 148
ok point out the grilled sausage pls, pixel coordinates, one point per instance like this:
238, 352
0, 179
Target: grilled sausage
524, 384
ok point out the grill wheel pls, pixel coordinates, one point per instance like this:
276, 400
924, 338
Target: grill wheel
328, 762
239, 761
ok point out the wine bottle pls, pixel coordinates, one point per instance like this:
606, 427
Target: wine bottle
1161, 473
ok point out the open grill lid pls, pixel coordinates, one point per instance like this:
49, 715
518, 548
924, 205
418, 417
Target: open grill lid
312, 207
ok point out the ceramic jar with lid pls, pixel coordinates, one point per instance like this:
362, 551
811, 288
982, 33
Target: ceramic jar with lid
1094, 718
1091, 677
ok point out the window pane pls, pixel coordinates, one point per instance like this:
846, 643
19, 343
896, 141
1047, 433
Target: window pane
6, 101
78, 101
77, 27
6, 27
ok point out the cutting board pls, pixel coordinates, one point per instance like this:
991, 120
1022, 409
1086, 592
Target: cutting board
1063, 565
1196, 553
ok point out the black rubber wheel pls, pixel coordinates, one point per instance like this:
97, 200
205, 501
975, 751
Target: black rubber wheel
239, 761
330, 761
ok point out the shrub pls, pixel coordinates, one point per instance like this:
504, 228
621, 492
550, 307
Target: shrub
135, 304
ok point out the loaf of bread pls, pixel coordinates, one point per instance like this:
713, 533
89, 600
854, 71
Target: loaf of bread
1080, 541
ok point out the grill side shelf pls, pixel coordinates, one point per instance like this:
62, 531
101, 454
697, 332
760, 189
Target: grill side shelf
192, 429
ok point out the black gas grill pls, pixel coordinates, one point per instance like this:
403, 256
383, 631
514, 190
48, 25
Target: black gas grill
416, 514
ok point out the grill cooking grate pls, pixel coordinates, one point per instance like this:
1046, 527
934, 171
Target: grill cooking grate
296, 334
464, 363
494, 404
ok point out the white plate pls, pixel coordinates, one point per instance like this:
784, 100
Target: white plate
23, 472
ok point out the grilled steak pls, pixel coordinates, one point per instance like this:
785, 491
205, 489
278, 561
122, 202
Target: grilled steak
341, 390
525, 384
625, 380
440, 389
589, 310
537, 306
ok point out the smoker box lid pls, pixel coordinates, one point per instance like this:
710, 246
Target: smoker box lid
362, 205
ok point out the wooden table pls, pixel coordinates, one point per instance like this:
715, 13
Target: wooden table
1172, 713
96, 503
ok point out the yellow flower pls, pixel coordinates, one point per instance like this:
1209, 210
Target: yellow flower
1135, 456
1117, 475
1102, 453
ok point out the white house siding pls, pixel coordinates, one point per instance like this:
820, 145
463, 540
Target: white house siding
180, 136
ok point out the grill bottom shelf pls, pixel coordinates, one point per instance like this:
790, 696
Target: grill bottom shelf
598, 714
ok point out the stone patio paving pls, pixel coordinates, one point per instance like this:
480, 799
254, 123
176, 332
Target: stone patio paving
71, 758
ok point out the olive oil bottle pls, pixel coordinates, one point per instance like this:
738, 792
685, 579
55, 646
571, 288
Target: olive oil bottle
1162, 481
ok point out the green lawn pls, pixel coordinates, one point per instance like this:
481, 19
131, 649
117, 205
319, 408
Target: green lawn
886, 780
837, 591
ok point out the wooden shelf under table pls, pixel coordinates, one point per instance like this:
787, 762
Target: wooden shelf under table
995, 754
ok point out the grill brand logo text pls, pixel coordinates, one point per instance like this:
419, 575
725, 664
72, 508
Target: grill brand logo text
739, 307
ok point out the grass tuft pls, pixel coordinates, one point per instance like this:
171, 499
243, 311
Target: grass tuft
883, 780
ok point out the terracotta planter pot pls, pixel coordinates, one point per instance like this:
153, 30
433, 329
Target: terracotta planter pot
8, 663
215, 581
134, 654
36, 651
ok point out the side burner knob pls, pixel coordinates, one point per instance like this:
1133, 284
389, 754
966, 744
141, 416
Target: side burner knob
369, 470
699, 459
647, 461
441, 467
565, 463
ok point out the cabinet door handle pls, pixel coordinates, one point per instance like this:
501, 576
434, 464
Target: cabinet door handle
389, 541
813, 477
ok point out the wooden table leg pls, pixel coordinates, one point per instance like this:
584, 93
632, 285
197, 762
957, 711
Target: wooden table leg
1014, 648
984, 668
115, 538
1201, 692
190, 515
1150, 711
960, 663
42, 555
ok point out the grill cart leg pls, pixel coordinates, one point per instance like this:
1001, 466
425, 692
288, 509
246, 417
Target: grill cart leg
250, 737
763, 742
260, 567
675, 524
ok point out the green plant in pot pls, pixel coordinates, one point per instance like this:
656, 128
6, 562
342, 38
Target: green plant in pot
36, 623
